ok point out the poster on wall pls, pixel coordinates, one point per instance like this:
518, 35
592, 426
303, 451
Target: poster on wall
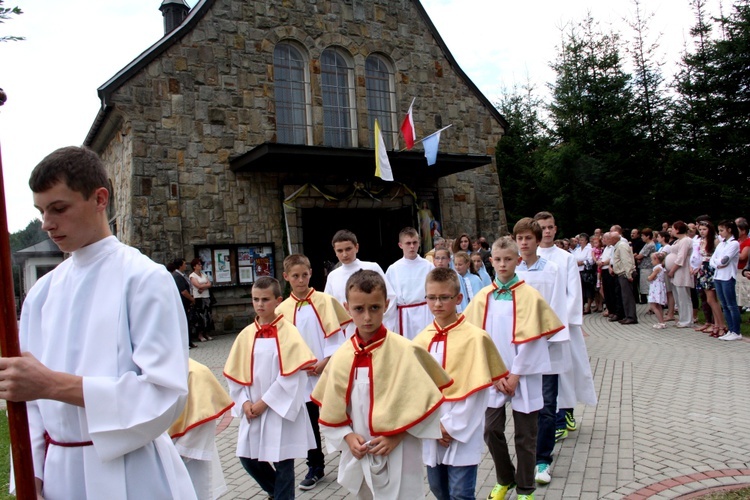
222, 266
236, 264
247, 276
244, 257
204, 254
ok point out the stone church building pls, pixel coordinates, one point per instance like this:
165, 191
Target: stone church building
246, 133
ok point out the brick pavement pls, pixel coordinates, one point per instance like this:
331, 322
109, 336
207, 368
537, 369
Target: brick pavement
670, 420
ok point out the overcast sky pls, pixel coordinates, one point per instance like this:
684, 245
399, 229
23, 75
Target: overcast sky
74, 46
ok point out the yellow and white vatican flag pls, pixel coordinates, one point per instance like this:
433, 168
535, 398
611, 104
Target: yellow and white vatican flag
382, 164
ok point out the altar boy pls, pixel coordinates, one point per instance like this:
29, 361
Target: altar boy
467, 353
266, 375
378, 397
518, 319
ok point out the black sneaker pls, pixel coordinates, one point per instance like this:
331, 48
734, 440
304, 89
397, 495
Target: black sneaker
311, 479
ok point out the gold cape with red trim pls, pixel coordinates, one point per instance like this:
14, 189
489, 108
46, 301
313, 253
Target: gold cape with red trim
470, 357
294, 355
207, 400
331, 314
532, 316
405, 384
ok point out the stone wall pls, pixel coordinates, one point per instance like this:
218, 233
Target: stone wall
210, 97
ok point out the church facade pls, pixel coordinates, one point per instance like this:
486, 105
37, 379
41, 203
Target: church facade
246, 133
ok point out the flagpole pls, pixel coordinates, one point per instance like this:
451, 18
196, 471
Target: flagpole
18, 420
428, 136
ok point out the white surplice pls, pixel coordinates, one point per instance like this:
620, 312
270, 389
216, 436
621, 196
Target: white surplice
283, 431
545, 277
114, 317
336, 286
576, 384
198, 450
398, 475
407, 277
308, 325
530, 359
464, 421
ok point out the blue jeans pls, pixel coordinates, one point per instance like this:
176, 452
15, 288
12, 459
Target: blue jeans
448, 482
278, 483
545, 438
728, 299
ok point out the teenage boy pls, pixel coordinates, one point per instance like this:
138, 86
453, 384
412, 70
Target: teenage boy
471, 359
576, 384
518, 319
470, 282
103, 330
407, 276
319, 318
346, 247
545, 277
378, 397
266, 375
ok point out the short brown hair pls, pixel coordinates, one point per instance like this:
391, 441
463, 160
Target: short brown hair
266, 282
528, 224
448, 252
344, 235
366, 281
505, 242
543, 216
296, 259
78, 167
407, 231
195, 262
444, 275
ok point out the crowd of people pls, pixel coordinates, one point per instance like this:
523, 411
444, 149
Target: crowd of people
678, 270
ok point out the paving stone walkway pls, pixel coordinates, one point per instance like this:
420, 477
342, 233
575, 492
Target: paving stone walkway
672, 419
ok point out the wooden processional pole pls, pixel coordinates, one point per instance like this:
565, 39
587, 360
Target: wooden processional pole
18, 421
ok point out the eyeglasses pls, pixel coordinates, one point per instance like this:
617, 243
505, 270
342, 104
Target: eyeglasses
441, 258
439, 298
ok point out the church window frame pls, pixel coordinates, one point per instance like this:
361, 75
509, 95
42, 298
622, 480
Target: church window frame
339, 100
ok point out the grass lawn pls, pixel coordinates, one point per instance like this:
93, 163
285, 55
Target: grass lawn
4, 457
742, 494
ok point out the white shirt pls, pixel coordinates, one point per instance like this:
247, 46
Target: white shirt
283, 431
464, 421
729, 249
336, 286
114, 317
545, 277
407, 277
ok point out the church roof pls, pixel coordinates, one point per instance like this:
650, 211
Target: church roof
46, 246
194, 16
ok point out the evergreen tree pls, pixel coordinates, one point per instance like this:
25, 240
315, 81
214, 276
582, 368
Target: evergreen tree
517, 153
597, 168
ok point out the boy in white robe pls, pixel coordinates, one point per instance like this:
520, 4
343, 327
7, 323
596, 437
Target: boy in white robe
544, 276
577, 384
471, 359
407, 276
194, 432
104, 329
265, 371
378, 397
518, 319
320, 319
346, 247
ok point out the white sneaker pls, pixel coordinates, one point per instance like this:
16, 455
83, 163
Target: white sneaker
541, 474
731, 336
